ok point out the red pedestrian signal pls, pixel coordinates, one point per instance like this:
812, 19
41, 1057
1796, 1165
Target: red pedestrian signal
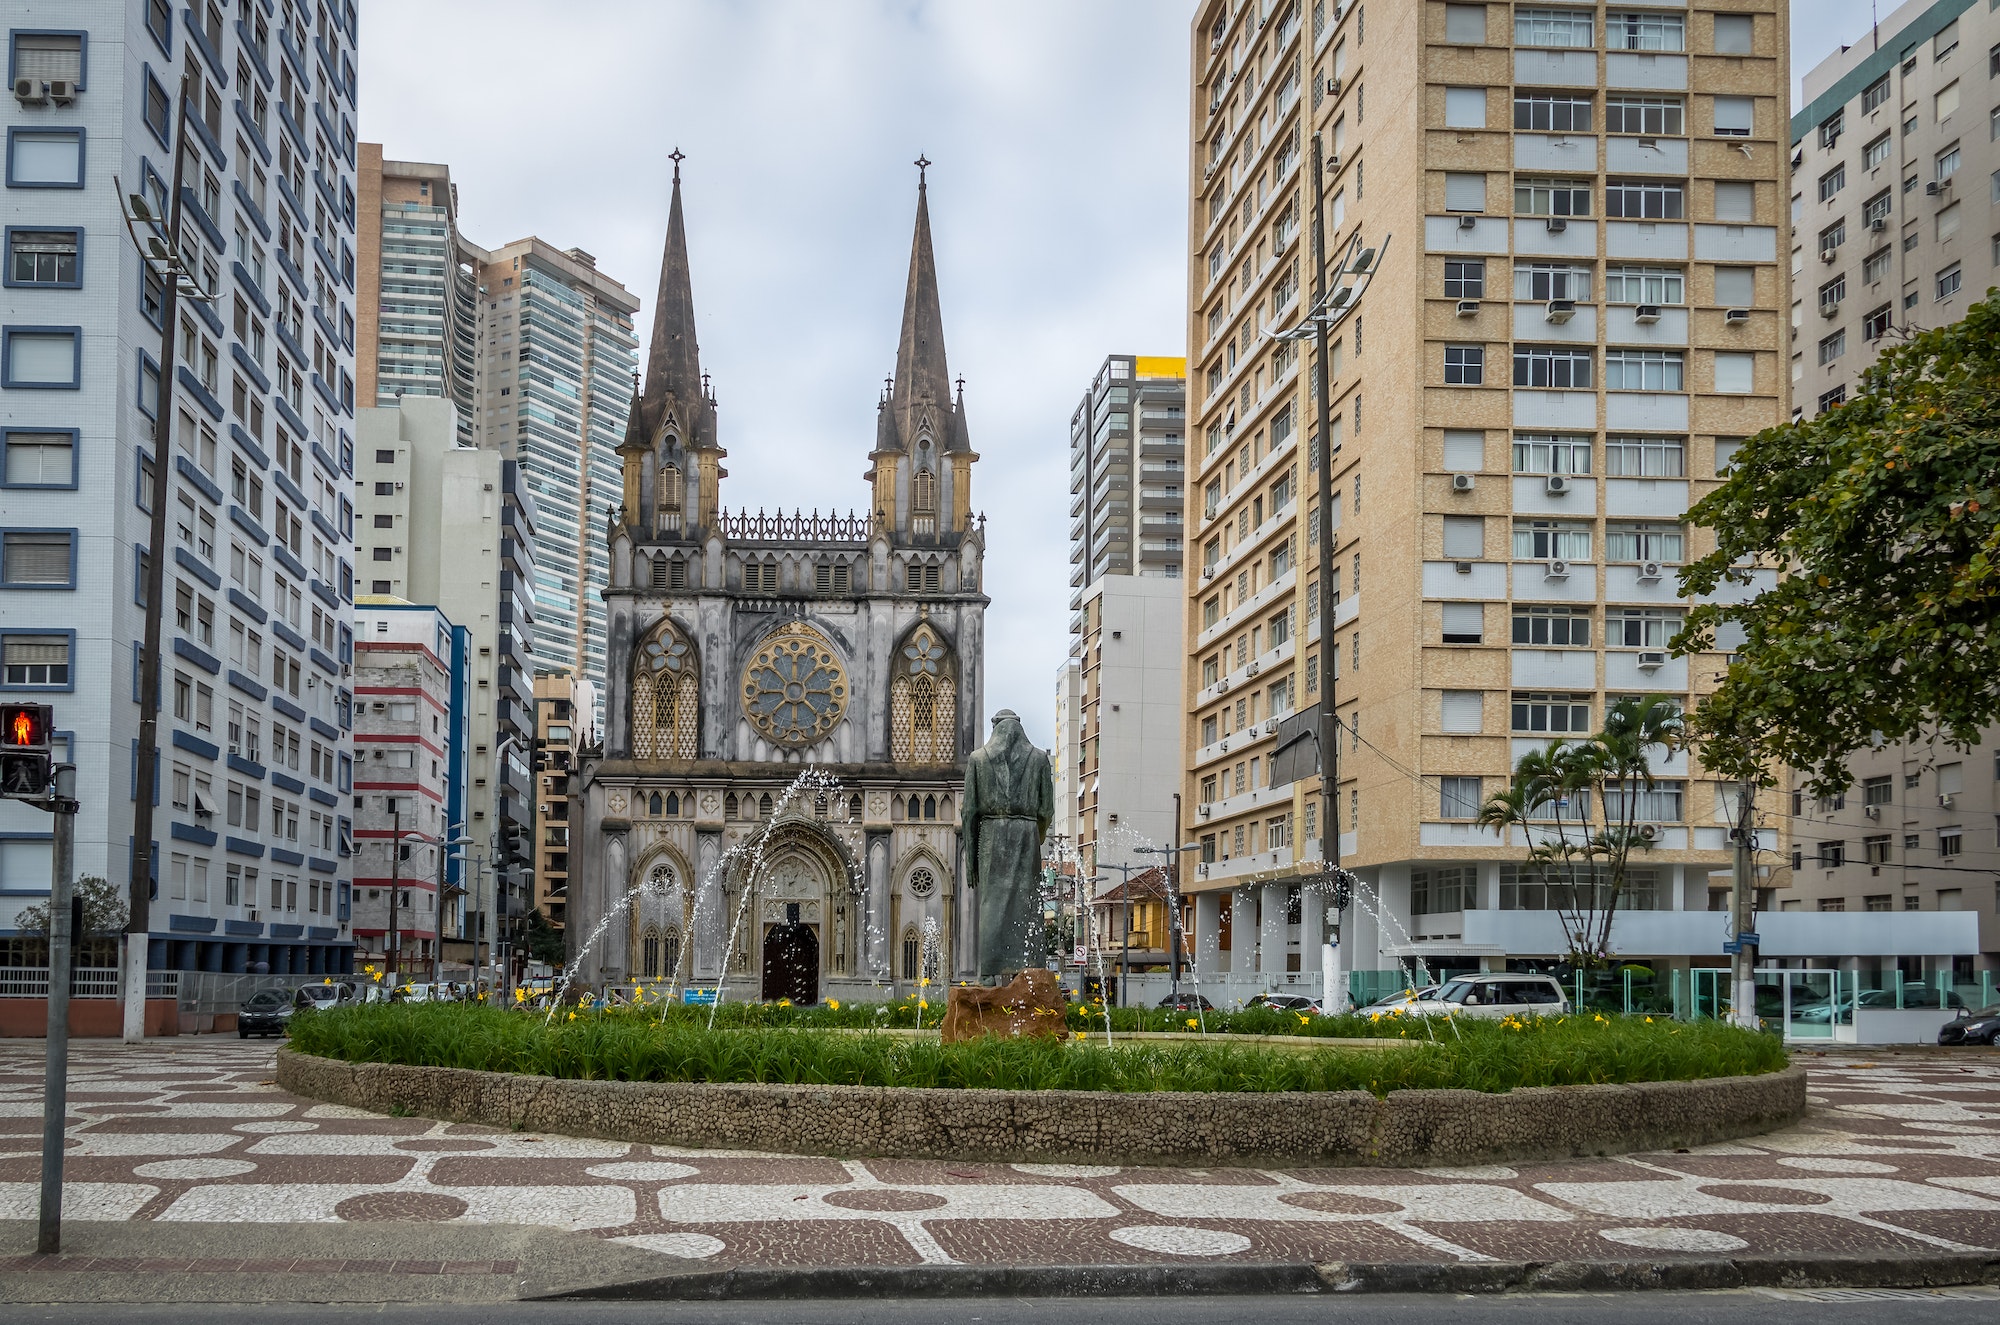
24, 726
26, 761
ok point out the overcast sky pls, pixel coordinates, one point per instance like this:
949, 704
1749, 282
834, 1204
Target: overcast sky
1058, 132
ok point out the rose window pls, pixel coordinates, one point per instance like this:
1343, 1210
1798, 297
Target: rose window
794, 690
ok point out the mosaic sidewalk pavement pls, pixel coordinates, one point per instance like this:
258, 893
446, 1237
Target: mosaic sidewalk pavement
1899, 1155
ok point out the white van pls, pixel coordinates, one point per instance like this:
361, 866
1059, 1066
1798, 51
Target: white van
1498, 995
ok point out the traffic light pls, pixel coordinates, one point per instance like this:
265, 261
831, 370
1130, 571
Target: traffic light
26, 761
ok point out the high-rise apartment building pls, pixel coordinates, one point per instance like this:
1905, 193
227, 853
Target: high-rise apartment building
559, 733
1894, 157
448, 526
251, 831
554, 387
418, 318
1580, 213
1120, 739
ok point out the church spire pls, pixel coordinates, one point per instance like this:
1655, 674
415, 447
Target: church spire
921, 390
673, 361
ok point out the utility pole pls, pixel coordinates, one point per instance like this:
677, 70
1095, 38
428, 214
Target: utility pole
159, 252
1742, 903
55, 1090
392, 946
1329, 650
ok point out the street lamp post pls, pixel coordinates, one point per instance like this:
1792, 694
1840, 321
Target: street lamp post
159, 253
1173, 867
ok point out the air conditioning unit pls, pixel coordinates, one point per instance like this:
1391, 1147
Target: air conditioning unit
1872, 811
1208, 572
1646, 313
1652, 662
1879, 223
1461, 482
1467, 222
399, 487
1935, 187
1557, 484
1204, 811
1736, 317
1649, 570
30, 91
1556, 570
1222, 686
62, 91
1333, 87
1462, 567
1224, 745
1201, 871
1468, 307
1333, 161
1560, 311
1829, 255
1651, 832
1945, 801
1557, 225
1253, 669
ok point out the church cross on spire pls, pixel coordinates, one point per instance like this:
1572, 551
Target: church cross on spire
677, 156
922, 164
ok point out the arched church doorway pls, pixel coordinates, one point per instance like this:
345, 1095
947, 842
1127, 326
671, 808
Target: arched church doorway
791, 962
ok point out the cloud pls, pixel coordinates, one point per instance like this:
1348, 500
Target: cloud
1058, 205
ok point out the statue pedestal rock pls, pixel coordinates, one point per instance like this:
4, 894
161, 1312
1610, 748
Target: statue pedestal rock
1031, 1004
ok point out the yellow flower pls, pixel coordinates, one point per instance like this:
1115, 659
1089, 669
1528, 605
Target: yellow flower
572, 1016
1192, 1023
926, 980
784, 1002
833, 1003
1649, 1021
1078, 1034
327, 981
1304, 1020
922, 1004
520, 994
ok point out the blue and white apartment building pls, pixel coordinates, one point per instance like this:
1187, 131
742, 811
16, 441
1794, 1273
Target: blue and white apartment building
252, 845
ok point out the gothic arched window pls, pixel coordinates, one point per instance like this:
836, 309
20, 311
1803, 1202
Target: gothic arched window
673, 804
764, 806
912, 954
729, 806
653, 805
923, 701
670, 950
666, 696
923, 502
671, 497
930, 807
649, 954
854, 808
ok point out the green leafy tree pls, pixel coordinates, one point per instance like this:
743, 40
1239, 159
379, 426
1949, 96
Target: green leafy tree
544, 940
1883, 516
103, 910
1580, 807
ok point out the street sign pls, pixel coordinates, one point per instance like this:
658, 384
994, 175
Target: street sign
26, 759
1750, 936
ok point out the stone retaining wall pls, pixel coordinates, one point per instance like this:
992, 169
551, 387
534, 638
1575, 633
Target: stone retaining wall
1333, 1128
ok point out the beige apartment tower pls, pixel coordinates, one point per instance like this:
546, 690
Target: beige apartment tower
1582, 215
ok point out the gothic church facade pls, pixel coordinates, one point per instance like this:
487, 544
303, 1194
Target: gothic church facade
745, 650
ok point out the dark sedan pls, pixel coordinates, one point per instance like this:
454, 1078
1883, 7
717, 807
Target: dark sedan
1981, 1027
1187, 1002
264, 1013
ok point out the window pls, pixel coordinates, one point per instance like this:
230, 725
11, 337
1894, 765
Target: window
44, 158
1463, 711
1464, 25
1542, 281
1874, 95
1832, 293
1464, 449
1552, 112
1945, 164
156, 109
1645, 32
1948, 281
1876, 266
1734, 117
1640, 627
1464, 537
1951, 841
1652, 117
1534, 712
1632, 541
1552, 627
1465, 108
43, 257
1832, 182
1878, 208
1945, 102
1736, 200
1725, 453
38, 559
1645, 285
1831, 238
41, 358
1832, 347
1830, 399
1876, 152
1643, 370
1464, 623
1569, 28
1877, 323
1464, 365
1540, 453
35, 662
38, 459
1946, 40
1645, 199
1464, 192
1735, 374
1551, 540
1554, 367
1458, 798
1645, 457
1830, 128
1537, 196
1465, 278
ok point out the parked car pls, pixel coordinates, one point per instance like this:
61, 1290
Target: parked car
1284, 1003
1399, 1002
1915, 997
263, 1013
1981, 1027
1498, 996
322, 995
1187, 1002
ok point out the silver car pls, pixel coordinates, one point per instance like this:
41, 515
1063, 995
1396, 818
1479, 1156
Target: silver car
1498, 995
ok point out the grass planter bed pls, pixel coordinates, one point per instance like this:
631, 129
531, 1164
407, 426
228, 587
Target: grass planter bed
1480, 1094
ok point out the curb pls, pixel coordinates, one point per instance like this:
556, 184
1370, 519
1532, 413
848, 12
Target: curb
1456, 1277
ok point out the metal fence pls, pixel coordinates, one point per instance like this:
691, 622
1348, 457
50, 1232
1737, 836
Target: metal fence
84, 982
